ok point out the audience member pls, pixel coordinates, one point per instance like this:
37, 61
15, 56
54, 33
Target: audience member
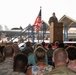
61, 45
44, 45
28, 50
50, 54
72, 57
38, 45
50, 50
41, 67
8, 62
16, 48
31, 57
74, 44
66, 45
56, 44
29, 45
20, 64
60, 58
34, 46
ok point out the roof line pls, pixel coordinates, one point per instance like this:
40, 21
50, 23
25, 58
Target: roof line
68, 18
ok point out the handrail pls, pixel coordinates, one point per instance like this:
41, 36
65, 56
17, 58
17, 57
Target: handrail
23, 30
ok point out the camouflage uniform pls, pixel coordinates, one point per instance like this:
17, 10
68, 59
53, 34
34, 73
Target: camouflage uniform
1, 58
6, 66
10, 72
63, 70
16, 73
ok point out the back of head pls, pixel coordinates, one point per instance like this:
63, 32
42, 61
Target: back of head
8, 51
61, 45
71, 52
74, 44
28, 44
40, 54
49, 45
38, 45
60, 56
43, 44
27, 51
20, 63
56, 43
16, 47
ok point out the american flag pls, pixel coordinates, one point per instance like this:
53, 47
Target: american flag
37, 23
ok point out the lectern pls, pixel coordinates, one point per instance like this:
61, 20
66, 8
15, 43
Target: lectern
56, 32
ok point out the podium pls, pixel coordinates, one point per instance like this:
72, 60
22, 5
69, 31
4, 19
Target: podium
56, 32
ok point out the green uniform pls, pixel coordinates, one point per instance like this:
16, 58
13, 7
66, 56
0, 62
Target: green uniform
63, 70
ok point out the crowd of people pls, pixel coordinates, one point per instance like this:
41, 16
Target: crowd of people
38, 59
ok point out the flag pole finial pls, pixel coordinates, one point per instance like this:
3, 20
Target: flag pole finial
40, 7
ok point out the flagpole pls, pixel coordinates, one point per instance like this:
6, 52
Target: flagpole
41, 12
41, 20
40, 7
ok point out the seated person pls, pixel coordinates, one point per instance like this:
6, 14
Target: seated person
7, 64
72, 57
60, 58
19, 65
31, 58
50, 54
41, 67
28, 50
16, 48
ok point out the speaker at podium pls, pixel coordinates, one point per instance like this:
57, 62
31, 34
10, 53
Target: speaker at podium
56, 32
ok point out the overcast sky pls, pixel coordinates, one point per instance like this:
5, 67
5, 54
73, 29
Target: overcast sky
16, 13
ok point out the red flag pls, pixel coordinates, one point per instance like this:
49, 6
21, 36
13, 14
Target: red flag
37, 23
